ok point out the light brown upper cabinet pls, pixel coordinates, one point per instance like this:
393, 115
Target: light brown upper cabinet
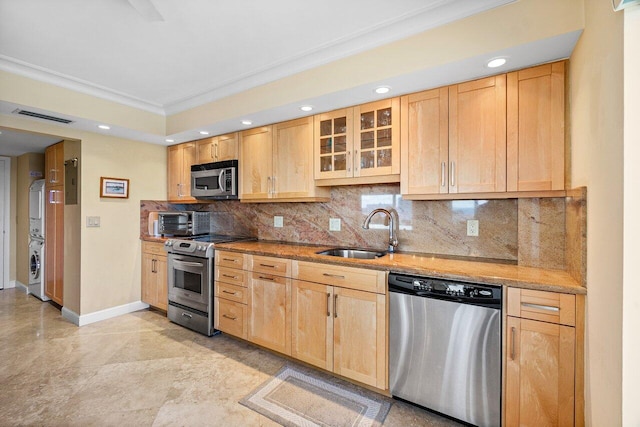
217, 149
276, 163
179, 160
454, 139
358, 145
501, 136
425, 142
256, 151
477, 136
535, 128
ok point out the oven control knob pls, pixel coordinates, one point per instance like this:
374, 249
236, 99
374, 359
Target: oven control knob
201, 248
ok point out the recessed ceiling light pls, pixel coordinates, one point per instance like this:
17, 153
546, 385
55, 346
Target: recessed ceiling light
496, 62
382, 89
306, 108
105, 127
204, 132
247, 122
170, 140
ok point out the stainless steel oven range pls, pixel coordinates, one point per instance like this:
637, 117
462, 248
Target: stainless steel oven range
190, 280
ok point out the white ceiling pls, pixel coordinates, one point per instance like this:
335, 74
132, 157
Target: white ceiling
200, 50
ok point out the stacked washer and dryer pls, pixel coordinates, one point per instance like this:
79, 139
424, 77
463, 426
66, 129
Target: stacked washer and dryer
36, 239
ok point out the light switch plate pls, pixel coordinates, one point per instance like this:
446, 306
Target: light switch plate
278, 221
334, 224
473, 227
93, 221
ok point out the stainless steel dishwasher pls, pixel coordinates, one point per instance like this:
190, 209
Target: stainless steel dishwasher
444, 346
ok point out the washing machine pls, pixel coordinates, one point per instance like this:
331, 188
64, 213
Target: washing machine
36, 269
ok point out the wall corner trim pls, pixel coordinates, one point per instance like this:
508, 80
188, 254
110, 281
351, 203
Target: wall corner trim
105, 314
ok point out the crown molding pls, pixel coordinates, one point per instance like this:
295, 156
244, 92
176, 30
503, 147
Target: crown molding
21, 68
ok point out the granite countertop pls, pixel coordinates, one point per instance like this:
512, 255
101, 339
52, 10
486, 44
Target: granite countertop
476, 270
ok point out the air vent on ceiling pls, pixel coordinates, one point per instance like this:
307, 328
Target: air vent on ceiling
42, 116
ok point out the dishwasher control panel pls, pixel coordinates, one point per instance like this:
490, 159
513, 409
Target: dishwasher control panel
473, 293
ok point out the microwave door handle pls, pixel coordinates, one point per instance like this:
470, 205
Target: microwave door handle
221, 181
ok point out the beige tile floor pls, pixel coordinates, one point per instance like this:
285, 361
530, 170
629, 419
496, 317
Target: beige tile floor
134, 370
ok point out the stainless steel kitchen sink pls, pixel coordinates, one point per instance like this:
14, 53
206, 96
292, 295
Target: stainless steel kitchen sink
353, 253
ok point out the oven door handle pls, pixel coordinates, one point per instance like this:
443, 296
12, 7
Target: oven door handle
189, 264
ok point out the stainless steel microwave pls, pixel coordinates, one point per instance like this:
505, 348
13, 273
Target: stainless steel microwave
215, 181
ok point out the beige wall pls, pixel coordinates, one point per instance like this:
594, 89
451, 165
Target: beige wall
596, 80
110, 255
26, 164
26, 91
111, 261
72, 280
631, 289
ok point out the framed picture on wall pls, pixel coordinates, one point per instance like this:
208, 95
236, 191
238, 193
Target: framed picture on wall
114, 187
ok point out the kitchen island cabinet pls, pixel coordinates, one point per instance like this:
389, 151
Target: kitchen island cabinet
154, 275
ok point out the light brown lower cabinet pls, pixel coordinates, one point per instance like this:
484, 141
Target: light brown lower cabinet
337, 328
154, 275
340, 330
543, 359
230, 294
269, 303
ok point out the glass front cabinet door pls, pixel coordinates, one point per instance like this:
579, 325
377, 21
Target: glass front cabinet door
361, 141
333, 144
377, 138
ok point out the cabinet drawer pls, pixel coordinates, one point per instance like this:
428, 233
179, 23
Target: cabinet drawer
270, 265
230, 259
230, 292
231, 275
346, 277
542, 305
155, 248
231, 317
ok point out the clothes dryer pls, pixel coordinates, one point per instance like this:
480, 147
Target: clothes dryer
36, 269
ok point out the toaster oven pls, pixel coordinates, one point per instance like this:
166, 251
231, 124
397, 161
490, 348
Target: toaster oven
184, 223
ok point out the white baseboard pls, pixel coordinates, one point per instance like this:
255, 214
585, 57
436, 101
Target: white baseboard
105, 314
10, 284
70, 316
18, 284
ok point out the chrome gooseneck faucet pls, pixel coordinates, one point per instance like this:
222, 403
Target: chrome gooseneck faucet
394, 222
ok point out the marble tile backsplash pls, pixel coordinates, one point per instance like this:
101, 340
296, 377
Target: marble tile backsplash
529, 231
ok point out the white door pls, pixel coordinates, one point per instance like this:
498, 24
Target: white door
4, 224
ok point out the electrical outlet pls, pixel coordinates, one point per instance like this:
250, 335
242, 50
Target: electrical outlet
334, 224
473, 227
278, 221
93, 221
